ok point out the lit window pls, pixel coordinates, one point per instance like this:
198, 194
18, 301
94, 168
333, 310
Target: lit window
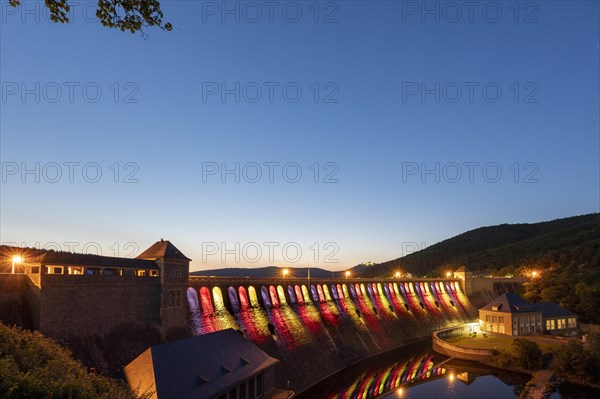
75, 270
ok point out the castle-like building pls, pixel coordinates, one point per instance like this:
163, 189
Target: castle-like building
73, 294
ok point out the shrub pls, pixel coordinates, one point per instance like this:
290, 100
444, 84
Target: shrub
527, 354
33, 366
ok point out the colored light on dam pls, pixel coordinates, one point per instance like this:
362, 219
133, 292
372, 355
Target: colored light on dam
296, 313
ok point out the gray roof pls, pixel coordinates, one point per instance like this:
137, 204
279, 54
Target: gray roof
510, 303
198, 367
552, 309
163, 249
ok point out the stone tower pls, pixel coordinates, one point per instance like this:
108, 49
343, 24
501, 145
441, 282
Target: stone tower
466, 276
174, 277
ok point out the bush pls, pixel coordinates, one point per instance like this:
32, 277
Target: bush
527, 354
574, 360
32, 366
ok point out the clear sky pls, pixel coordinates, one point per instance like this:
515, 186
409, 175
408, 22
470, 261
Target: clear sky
422, 124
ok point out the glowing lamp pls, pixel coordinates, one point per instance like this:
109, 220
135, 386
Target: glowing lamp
16, 259
348, 274
285, 272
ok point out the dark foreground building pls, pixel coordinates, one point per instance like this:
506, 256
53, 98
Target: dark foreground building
219, 365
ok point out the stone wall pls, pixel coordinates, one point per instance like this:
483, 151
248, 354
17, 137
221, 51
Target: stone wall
14, 306
486, 289
73, 305
447, 349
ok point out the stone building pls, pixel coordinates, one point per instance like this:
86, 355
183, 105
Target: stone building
512, 315
72, 294
218, 365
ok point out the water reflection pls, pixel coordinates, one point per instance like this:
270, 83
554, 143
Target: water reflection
416, 372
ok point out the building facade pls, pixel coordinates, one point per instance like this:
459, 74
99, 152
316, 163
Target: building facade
510, 314
78, 294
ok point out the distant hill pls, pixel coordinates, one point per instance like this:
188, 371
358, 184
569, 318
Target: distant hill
504, 248
268, 271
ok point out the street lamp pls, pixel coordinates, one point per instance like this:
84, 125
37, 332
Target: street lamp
348, 273
16, 259
285, 272
534, 274
397, 275
448, 274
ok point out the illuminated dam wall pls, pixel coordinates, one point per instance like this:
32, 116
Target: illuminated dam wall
319, 328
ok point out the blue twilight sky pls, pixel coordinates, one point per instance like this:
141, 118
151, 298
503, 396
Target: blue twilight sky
388, 89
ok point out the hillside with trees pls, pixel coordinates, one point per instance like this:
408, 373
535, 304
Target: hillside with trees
505, 248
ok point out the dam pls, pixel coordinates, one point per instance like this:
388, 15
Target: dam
315, 327
319, 327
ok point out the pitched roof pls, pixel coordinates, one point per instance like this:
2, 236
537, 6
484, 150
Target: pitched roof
510, 303
60, 258
552, 309
162, 249
198, 367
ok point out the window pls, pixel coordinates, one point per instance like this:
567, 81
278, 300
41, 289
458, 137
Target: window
92, 271
487, 318
550, 325
251, 389
176, 273
110, 272
572, 322
561, 324
174, 298
55, 269
140, 273
153, 273
75, 270
501, 319
259, 384
494, 319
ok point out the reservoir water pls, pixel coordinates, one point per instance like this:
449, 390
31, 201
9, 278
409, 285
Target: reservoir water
415, 372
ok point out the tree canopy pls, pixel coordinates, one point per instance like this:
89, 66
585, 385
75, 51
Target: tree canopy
126, 15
